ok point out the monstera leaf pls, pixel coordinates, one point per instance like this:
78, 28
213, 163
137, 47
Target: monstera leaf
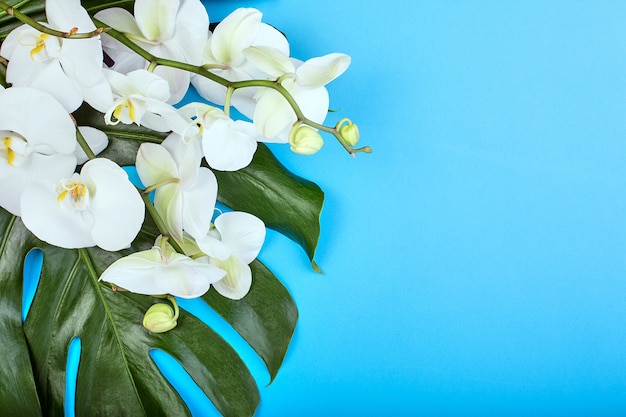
116, 373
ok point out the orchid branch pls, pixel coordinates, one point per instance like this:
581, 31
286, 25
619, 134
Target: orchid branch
231, 86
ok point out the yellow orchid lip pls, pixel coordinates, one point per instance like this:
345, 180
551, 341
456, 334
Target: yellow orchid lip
40, 45
8, 151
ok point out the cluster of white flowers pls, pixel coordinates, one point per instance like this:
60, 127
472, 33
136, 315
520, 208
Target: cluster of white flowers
50, 77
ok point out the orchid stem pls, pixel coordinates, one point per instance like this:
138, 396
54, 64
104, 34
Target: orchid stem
84, 145
158, 220
72, 34
172, 300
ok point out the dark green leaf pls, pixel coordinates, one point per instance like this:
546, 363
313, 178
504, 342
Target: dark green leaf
285, 202
266, 317
18, 395
116, 374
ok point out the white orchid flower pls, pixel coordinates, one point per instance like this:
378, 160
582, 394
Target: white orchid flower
227, 144
185, 193
140, 98
161, 270
232, 244
99, 206
68, 69
172, 29
273, 116
224, 55
37, 139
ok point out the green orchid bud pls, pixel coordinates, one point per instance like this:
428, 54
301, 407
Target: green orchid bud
349, 131
160, 318
305, 140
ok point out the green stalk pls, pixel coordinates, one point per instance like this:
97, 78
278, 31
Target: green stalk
13, 11
158, 220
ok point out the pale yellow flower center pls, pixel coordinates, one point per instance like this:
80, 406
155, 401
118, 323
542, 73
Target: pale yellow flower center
74, 192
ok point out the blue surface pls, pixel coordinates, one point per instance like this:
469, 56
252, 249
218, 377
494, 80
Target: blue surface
475, 263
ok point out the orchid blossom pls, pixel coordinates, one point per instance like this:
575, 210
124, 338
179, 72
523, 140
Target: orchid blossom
273, 115
140, 98
232, 244
161, 270
68, 69
38, 139
172, 29
227, 144
99, 206
185, 193
224, 55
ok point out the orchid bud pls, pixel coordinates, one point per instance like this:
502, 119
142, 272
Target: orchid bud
349, 131
305, 140
160, 318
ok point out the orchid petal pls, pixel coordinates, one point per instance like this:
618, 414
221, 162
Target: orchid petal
120, 19
272, 114
188, 278
168, 202
227, 148
236, 32
238, 280
21, 106
270, 60
156, 18
317, 72
243, 232
155, 164
199, 203
192, 29
270, 36
214, 248
46, 76
177, 80
117, 208
67, 14
187, 157
147, 83
313, 102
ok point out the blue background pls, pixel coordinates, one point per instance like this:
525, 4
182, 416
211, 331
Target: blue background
475, 263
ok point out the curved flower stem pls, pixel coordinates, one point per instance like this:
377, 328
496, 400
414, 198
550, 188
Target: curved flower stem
13, 11
84, 145
172, 300
158, 220
155, 61
231, 86
15, 6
